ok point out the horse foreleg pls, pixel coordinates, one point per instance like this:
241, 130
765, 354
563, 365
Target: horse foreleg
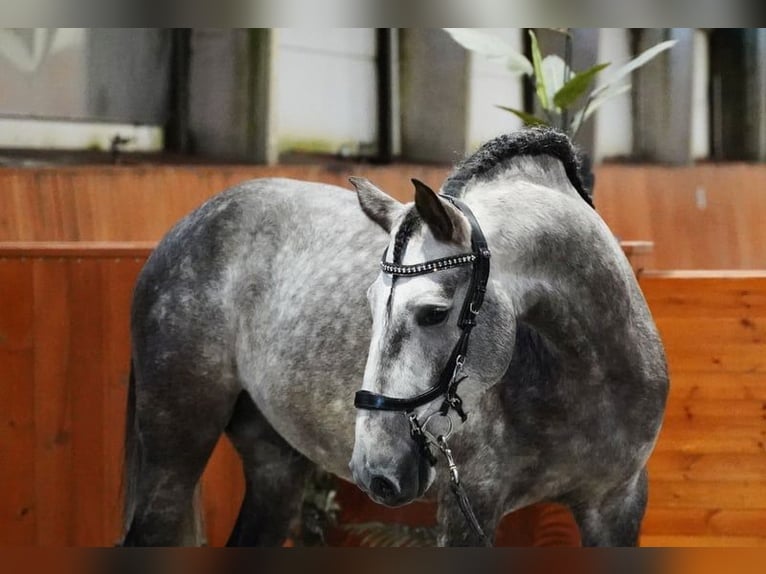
614, 519
275, 476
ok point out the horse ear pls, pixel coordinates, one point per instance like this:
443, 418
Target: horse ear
443, 219
376, 204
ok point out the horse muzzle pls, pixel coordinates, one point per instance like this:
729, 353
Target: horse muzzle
393, 485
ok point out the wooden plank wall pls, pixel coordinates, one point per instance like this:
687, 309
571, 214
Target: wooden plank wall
64, 363
64, 360
142, 203
708, 473
64, 356
699, 217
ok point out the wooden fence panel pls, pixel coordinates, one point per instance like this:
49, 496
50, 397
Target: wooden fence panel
17, 403
119, 276
708, 473
64, 360
699, 217
142, 203
55, 470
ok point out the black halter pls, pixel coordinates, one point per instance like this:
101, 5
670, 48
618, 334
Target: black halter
449, 378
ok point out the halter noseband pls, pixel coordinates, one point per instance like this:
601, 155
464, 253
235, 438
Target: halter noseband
450, 375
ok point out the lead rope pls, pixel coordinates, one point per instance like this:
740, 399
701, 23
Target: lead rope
462, 497
424, 440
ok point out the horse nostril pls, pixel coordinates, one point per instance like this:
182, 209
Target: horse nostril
383, 488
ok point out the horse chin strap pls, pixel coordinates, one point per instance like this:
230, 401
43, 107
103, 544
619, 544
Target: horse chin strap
450, 376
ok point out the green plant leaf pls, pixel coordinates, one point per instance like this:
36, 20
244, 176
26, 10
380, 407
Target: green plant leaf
556, 73
576, 87
627, 69
537, 65
492, 48
528, 119
594, 104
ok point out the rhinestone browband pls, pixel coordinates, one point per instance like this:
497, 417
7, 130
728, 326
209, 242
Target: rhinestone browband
429, 266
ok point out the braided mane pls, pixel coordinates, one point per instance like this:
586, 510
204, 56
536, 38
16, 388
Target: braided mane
493, 157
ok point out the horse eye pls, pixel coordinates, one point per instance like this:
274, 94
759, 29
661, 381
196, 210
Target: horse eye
432, 316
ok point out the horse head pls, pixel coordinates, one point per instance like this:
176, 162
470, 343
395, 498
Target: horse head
422, 305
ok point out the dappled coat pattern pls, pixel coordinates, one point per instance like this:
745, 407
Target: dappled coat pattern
251, 318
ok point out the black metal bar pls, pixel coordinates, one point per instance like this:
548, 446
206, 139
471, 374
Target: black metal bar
527, 84
177, 136
385, 96
567, 67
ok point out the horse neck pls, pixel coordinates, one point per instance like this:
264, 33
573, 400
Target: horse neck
548, 253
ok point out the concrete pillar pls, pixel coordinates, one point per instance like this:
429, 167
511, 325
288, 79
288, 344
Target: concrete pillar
738, 78
662, 98
230, 92
585, 55
757, 91
128, 74
434, 96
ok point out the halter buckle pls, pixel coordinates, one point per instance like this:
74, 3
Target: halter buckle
415, 428
421, 438
459, 362
441, 442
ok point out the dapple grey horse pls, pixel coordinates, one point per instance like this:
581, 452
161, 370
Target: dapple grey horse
261, 313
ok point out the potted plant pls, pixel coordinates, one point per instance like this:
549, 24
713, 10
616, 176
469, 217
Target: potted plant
566, 98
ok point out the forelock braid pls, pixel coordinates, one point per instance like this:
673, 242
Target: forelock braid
410, 224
